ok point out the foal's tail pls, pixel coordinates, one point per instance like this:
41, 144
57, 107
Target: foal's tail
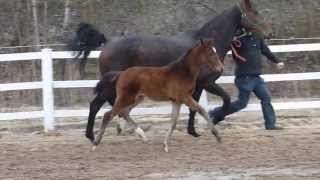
105, 90
107, 83
86, 39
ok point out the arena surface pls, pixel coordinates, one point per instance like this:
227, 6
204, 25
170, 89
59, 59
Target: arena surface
246, 152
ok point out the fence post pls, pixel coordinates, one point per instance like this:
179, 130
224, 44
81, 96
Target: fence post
47, 89
204, 103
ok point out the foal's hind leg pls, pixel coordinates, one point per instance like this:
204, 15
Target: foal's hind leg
120, 105
106, 119
174, 117
137, 128
126, 116
191, 103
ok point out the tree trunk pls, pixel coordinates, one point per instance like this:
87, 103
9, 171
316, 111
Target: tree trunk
36, 38
66, 19
45, 21
35, 24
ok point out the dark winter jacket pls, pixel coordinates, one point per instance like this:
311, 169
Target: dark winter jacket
252, 48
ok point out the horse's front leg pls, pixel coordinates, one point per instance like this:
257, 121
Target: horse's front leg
191, 129
217, 90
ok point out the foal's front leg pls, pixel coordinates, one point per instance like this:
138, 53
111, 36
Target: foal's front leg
191, 103
174, 117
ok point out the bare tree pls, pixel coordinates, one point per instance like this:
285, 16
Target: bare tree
35, 24
45, 21
66, 19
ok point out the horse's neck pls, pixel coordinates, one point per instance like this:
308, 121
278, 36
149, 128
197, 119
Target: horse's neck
222, 29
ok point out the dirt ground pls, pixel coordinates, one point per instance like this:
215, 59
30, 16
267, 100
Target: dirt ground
247, 151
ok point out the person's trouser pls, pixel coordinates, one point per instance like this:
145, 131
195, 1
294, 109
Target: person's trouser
246, 85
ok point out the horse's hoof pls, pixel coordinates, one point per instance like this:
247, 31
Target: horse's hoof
94, 148
90, 136
219, 139
193, 133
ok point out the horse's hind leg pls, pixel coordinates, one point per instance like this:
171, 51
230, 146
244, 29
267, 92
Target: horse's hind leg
95, 106
191, 103
174, 117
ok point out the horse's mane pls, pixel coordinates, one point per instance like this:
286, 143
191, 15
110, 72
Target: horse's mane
216, 21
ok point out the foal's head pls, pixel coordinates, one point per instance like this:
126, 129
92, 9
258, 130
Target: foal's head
207, 55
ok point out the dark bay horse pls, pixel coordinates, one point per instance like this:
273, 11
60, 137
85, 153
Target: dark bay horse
174, 82
124, 52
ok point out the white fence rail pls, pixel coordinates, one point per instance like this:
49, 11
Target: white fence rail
48, 84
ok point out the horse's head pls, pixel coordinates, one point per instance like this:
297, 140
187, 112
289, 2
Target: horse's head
208, 55
254, 18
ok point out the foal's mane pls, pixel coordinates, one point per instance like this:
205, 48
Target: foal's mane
180, 64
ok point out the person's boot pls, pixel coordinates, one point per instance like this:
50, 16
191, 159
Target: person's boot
275, 128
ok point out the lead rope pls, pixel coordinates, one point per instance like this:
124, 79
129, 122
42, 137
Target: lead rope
235, 45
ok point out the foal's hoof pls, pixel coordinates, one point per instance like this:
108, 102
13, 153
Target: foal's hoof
119, 130
166, 149
94, 148
218, 137
193, 133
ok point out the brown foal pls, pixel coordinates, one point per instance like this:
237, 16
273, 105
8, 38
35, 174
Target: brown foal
174, 82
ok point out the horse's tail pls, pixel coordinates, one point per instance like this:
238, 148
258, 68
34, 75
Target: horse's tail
86, 39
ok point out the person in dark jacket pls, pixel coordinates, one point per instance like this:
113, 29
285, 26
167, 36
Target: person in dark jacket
248, 60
